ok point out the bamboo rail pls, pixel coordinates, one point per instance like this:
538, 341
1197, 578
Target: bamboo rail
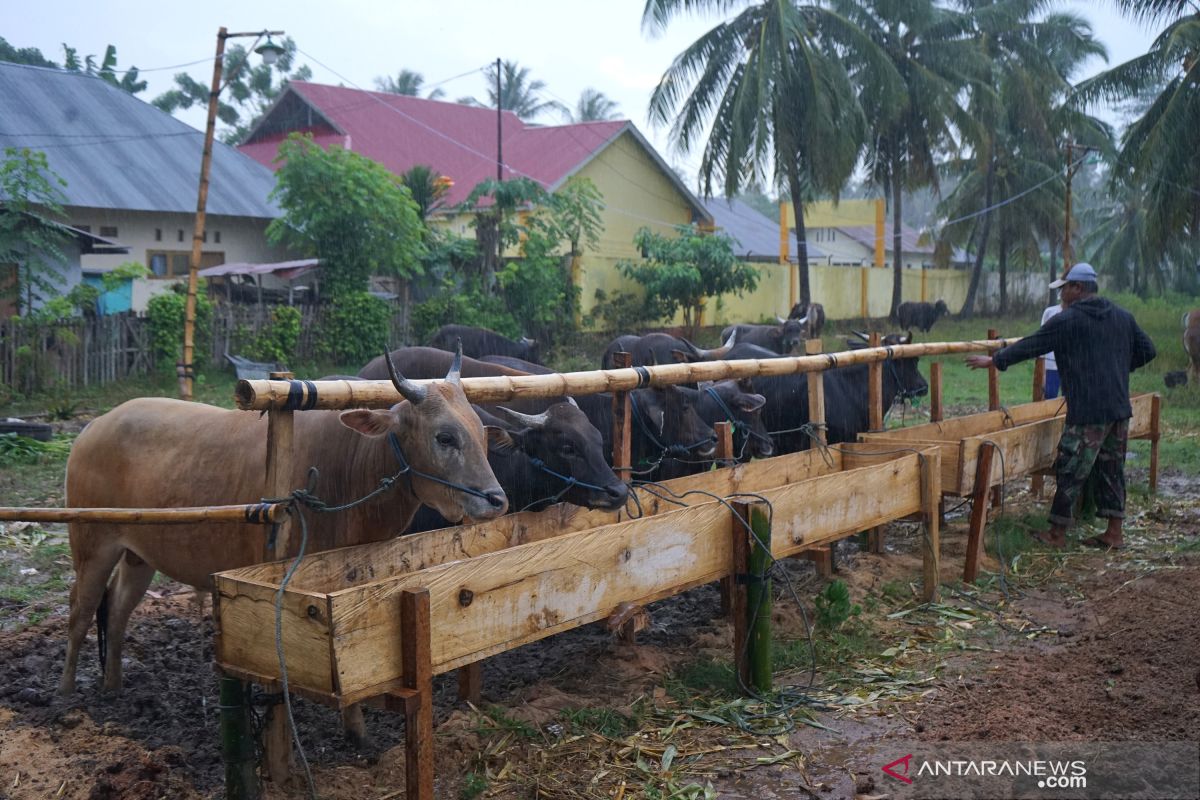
256, 513
274, 395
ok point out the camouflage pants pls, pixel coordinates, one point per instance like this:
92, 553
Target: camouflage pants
1082, 449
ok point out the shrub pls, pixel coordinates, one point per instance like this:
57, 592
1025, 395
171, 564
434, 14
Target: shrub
465, 305
166, 312
355, 329
277, 341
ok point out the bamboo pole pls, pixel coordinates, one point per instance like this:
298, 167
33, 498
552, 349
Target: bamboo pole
622, 420
265, 395
256, 513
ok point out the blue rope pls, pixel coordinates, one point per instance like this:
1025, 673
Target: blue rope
569, 480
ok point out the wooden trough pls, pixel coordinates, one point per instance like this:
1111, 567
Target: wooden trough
353, 626
982, 451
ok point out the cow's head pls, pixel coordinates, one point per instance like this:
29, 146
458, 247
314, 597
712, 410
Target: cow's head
440, 436
737, 398
909, 381
1174, 379
673, 420
563, 439
533, 350
940, 308
791, 333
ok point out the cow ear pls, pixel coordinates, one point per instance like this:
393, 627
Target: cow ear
746, 384
702, 385
680, 356
750, 402
368, 423
501, 441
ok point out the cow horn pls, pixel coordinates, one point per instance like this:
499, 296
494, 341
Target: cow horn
780, 319
731, 341
412, 392
571, 400
692, 350
455, 372
528, 420
862, 336
803, 320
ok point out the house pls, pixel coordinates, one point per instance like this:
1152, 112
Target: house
460, 143
132, 174
756, 236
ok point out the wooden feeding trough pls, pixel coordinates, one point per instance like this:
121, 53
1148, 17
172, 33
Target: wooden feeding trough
356, 621
981, 451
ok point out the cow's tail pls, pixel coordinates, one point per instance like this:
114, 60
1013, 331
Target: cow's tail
102, 629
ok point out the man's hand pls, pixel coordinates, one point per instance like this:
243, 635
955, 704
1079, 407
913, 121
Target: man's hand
979, 362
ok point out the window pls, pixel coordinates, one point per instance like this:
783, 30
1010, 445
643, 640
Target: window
108, 231
832, 235
174, 263
216, 237
181, 234
158, 234
84, 228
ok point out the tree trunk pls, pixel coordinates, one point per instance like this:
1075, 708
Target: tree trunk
1003, 244
897, 243
801, 235
968, 309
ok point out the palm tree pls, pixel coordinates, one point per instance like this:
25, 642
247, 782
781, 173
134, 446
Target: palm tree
1018, 118
593, 106
407, 83
428, 188
772, 84
106, 70
517, 93
931, 50
1158, 151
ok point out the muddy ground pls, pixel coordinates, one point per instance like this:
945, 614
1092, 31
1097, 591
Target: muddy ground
1087, 646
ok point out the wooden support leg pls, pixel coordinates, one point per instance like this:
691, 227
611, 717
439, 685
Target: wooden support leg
822, 559
979, 503
354, 725
931, 496
418, 679
994, 405
876, 539
753, 656
470, 682
1155, 410
724, 431
237, 746
1037, 483
737, 596
277, 745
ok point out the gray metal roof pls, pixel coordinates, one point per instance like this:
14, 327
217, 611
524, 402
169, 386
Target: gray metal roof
116, 151
757, 236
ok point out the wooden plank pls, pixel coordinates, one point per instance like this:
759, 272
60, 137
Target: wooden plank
415, 622
993, 378
1155, 411
1144, 422
978, 513
816, 393
1023, 450
935, 392
949, 456
247, 640
332, 570
957, 428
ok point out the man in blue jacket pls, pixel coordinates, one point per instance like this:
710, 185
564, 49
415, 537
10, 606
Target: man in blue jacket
1097, 344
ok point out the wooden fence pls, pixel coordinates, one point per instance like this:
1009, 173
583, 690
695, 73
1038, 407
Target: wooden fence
82, 352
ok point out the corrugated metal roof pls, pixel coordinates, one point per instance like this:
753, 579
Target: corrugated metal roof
116, 151
910, 240
458, 141
284, 269
757, 236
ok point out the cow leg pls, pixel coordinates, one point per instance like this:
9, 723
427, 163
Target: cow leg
125, 591
93, 565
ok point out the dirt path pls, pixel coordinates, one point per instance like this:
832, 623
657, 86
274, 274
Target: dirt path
1114, 653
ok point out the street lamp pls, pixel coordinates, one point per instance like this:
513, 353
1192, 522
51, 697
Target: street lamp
270, 53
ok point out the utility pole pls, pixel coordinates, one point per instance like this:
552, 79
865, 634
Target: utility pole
1068, 256
499, 125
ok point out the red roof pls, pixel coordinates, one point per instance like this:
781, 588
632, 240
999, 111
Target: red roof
457, 141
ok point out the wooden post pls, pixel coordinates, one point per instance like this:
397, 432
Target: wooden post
822, 558
816, 393
979, 497
875, 536
758, 595
1155, 410
418, 679
1037, 484
277, 739
935, 391
724, 431
622, 424
470, 682
994, 405
237, 747
931, 498
738, 569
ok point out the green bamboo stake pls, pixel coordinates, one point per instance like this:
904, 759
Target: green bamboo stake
237, 751
758, 599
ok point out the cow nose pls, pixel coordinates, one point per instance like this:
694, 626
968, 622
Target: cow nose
617, 492
496, 498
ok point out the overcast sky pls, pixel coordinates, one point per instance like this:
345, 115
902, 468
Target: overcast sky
569, 44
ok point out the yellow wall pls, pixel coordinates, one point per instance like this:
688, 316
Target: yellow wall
825, 214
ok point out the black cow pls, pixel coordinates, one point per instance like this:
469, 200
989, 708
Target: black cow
782, 338
479, 342
519, 364
812, 316
659, 348
735, 401
921, 316
846, 409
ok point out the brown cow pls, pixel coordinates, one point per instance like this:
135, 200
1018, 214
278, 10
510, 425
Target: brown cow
1191, 343
163, 453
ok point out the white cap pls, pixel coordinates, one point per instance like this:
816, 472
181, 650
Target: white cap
1077, 274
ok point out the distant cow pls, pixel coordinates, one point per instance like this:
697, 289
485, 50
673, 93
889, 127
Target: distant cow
479, 342
921, 316
812, 316
1191, 343
659, 348
846, 409
782, 338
